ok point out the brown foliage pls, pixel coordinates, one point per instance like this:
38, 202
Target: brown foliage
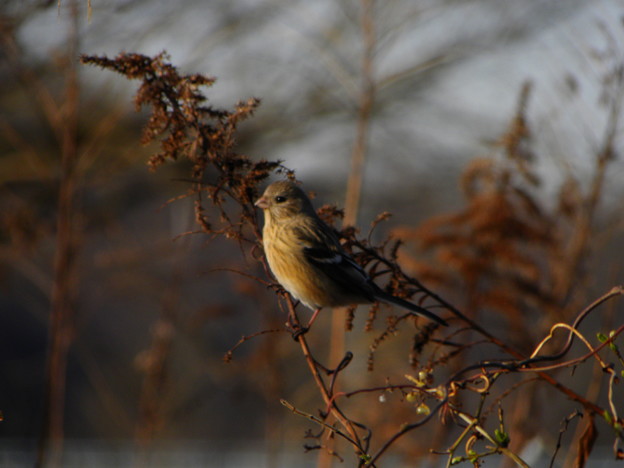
509, 255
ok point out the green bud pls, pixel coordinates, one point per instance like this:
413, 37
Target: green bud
502, 438
607, 417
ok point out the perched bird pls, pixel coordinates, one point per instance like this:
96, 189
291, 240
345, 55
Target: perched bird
308, 261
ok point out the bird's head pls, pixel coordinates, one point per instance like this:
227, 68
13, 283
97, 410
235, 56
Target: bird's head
282, 200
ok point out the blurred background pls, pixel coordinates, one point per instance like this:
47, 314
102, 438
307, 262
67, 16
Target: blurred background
152, 314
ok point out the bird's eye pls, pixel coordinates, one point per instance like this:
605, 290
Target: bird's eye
280, 199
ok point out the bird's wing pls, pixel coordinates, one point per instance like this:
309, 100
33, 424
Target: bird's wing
322, 249
351, 277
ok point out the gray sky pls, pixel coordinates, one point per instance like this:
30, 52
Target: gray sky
303, 59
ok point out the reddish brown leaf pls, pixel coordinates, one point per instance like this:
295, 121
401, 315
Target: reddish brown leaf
586, 442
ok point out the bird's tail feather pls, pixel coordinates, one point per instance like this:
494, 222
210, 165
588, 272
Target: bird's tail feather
385, 297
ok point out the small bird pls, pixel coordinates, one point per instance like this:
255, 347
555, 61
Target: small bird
308, 261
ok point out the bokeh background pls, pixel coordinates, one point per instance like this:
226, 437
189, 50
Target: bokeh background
154, 311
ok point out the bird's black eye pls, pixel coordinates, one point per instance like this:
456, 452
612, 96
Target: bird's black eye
280, 199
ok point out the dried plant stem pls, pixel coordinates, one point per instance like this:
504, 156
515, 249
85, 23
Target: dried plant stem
595, 385
580, 243
317, 420
65, 284
365, 109
324, 391
156, 377
473, 422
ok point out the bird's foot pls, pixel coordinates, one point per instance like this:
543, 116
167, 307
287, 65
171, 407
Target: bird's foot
277, 288
296, 330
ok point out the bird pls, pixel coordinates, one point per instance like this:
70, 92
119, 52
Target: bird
306, 258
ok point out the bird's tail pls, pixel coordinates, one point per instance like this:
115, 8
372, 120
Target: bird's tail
385, 297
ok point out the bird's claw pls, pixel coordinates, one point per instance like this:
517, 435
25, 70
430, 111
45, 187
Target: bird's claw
277, 288
296, 330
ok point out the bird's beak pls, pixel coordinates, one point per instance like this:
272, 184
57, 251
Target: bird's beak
262, 203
